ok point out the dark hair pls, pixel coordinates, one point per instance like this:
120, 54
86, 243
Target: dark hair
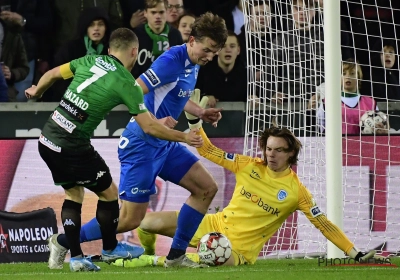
89, 15
293, 143
149, 4
122, 38
211, 26
185, 14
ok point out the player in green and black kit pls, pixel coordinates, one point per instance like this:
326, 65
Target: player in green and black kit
99, 84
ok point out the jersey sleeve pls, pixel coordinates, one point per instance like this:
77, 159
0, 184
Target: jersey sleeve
334, 234
164, 70
232, 162
132, 97
65, 71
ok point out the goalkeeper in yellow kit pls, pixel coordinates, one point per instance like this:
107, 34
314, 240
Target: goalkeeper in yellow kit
267, 191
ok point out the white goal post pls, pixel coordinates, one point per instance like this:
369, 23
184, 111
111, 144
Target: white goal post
354, 178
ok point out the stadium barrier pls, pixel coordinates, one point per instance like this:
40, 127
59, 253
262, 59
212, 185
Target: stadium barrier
23, 235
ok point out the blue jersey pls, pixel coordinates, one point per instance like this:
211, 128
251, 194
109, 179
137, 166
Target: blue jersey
171, 80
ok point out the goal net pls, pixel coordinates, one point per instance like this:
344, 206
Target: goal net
286, 87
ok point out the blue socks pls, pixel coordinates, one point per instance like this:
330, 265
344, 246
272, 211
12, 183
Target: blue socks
189, 220
89, 232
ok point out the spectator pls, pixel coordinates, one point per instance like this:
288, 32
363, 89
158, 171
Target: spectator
224, 79
155, 37
185, 22
3, 88
232, 12
298, 55
34, 18
384, 74
67, 14
259, 38
92, 34
14, 62
174, 10
354, 105
346, 44
133, 13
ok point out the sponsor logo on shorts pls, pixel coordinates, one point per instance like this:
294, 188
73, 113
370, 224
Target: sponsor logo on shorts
100, 174
315, 212
137, 191
151, 77
49, 144
75, 112
63, 122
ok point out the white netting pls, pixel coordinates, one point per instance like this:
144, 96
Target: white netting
285, 58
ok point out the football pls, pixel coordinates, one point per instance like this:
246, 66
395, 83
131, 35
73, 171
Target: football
214, 248
374, 121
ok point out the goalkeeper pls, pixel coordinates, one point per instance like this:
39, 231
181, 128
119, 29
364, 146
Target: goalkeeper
267, 191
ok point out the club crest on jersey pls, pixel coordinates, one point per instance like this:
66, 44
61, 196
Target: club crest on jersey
151, 77
282, 194
229, 156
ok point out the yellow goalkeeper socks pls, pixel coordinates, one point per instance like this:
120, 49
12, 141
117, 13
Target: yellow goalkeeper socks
192, 256
148, 241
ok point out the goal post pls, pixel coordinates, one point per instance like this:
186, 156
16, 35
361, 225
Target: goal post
354, 178
334, 190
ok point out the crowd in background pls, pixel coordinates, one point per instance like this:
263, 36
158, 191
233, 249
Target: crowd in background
281, 52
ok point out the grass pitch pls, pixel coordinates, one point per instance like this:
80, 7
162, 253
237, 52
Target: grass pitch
284, 269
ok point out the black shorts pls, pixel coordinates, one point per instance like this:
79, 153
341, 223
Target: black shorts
71, 168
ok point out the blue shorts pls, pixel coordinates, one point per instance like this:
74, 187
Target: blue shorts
141, 163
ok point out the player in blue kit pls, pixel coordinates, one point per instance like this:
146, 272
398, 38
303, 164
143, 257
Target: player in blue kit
167, 86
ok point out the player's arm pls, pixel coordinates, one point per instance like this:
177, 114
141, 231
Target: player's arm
333, 233
154, 128
212, 115
57, 73
232, 162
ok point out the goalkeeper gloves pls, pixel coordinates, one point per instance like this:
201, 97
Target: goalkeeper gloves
364, 257
194, 121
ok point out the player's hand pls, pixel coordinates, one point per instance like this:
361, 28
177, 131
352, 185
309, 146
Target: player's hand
193, 139
169, 122
212, 101
212, 115
32, 92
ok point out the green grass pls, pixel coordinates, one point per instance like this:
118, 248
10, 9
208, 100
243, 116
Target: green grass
263, 269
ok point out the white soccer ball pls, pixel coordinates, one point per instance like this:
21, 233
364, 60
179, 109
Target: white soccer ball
214, 248
373, 121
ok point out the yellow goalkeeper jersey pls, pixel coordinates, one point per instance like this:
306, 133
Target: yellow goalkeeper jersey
261, 202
